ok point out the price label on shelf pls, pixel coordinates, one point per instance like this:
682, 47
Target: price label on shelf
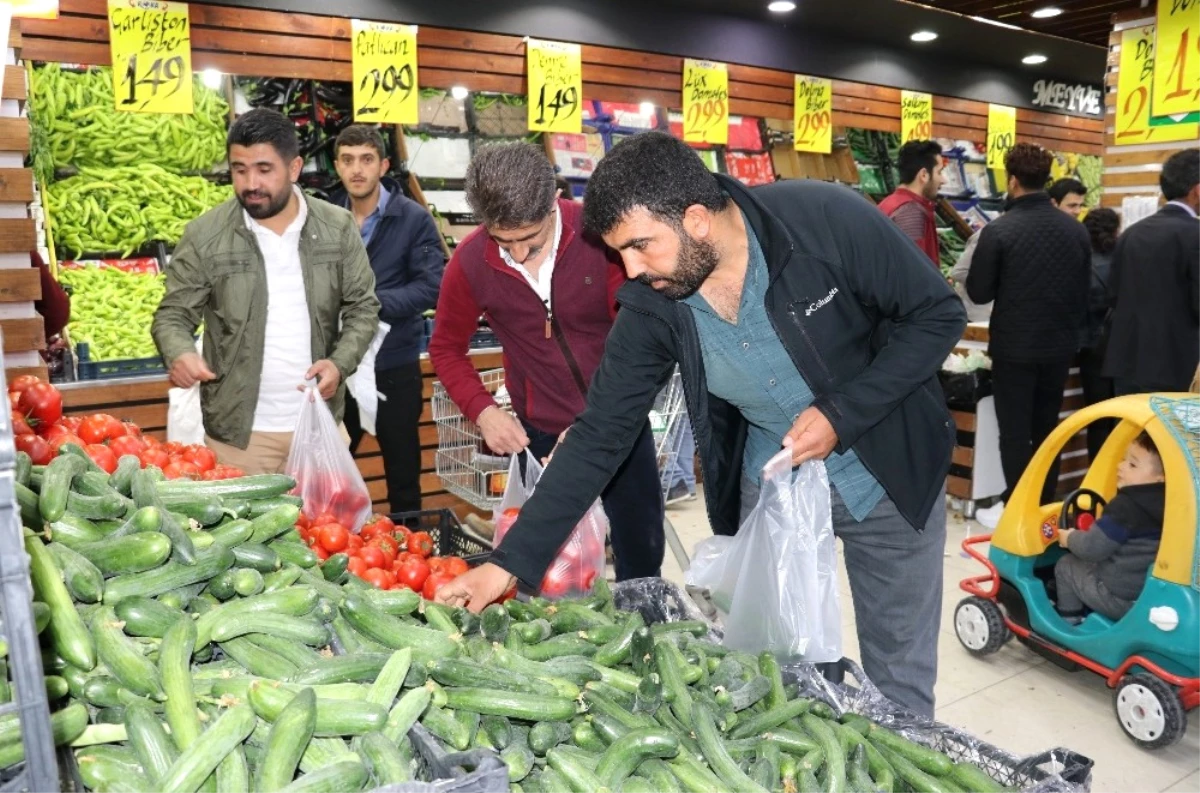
1001, 134
916, 116
555, 86
1134, 84
152, 55
813, 130
1177, 58
384, 71
705, 102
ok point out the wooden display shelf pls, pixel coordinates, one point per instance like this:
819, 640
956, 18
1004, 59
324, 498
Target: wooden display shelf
24, 335
22, 285
17, 235
16, 185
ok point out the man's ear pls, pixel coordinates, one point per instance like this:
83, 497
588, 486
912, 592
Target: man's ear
697, 221
295, 167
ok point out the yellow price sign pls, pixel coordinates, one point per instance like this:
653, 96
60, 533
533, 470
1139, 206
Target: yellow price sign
1001, 134
1177, 67
705, 102
813, 130
384, 69
555, 86
152, 55
916, 116
1134, 84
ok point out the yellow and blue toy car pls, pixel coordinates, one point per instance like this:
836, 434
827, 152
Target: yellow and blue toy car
1151, 656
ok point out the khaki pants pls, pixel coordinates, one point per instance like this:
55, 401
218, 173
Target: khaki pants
267, 452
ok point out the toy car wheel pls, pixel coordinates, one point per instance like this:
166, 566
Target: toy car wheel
979, 625
1149, 711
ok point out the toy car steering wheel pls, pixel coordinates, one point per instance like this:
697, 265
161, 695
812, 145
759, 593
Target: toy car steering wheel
1073, 515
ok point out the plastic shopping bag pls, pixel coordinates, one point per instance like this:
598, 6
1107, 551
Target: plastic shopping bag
581, 557
777, 579
320, 462
361, 384
185, 422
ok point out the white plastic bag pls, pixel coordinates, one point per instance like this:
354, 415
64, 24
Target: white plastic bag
581, 557
777, 579
320, 462
185, 420
361, 384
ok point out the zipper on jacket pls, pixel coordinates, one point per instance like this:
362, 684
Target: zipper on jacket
812, 347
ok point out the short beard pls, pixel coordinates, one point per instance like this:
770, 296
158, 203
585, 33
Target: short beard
930, 192
696, 261
273, 207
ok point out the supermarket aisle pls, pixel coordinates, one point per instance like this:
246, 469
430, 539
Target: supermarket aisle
1014, 699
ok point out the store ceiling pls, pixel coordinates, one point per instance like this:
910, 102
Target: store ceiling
1089, 21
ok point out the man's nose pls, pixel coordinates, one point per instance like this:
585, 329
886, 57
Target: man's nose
633, 268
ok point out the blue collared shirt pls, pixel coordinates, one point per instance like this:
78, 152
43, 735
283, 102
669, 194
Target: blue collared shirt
747, 366
372, 220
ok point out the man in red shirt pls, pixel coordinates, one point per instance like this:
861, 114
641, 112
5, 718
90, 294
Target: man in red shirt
549, 293
911, 207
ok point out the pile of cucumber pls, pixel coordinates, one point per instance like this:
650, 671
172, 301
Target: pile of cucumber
192, 643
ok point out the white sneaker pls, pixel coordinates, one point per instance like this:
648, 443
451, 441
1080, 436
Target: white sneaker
990, 517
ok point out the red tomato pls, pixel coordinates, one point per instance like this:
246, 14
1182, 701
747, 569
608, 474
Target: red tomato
14, 399
127, 444
62, 438
181, 470
19, 384
151, 441
321, 553
509, 595
333, 537
72, 423
557, 581
388, 542
413, 573
354, 543
370, 531
455, 566
302, 521
154, 456
20, 425
100, 427
133, 429
381, 523
421, 543
36, 447
376, 577
372, 556
173, 448
41, 403
102, 456
323, 518
436, 563
435, 582
211, 476
201, 457
357, 566
55, 431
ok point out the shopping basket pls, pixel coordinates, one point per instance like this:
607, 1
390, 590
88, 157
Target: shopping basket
467, 468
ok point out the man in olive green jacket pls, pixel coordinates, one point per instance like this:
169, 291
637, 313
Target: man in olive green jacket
286, 294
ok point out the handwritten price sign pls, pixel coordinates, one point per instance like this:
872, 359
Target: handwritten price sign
705, 102
916, 116
151, 55
1177, 67
1134, 84
1001, 134
384, 70
813, 130
555, 86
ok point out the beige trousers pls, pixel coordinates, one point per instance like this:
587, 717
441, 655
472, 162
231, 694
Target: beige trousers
267, 452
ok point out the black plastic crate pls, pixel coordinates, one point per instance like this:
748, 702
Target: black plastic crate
449, 538
106, 370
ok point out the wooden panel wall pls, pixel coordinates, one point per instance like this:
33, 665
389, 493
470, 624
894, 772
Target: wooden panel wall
277, 44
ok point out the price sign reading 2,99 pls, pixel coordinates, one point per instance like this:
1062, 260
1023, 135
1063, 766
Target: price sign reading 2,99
152, 56
384, 70
555, 77
705, 102
814, 120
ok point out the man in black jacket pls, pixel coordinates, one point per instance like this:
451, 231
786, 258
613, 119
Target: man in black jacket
800, 317
1035, 263
1154, 344
406, 254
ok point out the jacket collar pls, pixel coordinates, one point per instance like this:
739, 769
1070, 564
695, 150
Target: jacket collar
341, 198
314, 225
572, 221
1178, 208
916, 197
1030, 200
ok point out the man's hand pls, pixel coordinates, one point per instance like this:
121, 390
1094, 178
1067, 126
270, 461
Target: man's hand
477, 588
561, 436
189, 369
1064, 537
811, 437
327, 376
502, 433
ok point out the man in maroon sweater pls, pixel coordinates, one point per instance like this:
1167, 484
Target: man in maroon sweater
549, 293
911, 206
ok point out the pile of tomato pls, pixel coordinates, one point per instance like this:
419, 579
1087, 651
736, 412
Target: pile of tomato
40, 430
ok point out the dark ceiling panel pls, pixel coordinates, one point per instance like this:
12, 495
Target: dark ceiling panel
1089, 21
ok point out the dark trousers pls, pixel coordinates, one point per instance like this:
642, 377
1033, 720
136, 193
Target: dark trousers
1029, 397
1096, 388
398, 433
633, 502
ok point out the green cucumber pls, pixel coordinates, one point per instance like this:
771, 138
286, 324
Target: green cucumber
624, 756
296, 553
494, 622
56, 485
514, 705
617, 650
84, 581
169, 576
585, 736
201, 759
123, 658
281, 578
232, 534
973, 778
206, 510
73, 531
27, 504
649, 695
391, 678
257, 660
145, 495
717, 756
293, 602
386, 763
290, 733
857, 775
22, 468
347, 776
545, 735
146, 519
270, 525
660, 776
149, 740
232, 775
558, 646
256, 556
442, 723
134, 553
248, 488
748, 694
697, 628
334, 717
908, 771
394, 633
669, 664
71, 637
103, 507
362, 668
597, 702
405, 713
790, 741
833, 774
121, 479
248, 582
768, 666
768, 720
114, 768
575, 770
928, 760
300, 629
174, 667
520, 761
464, 673
145, 616
533, 631
396, 602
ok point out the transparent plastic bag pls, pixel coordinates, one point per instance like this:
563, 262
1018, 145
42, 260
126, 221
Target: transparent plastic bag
320, 462
777, 579
581, 557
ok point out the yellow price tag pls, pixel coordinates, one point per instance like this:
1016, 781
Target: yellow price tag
384, 70
916, 116
1134, 83
151, 55
813, 130
555, 86
1001, 134
705, 102
1177, 65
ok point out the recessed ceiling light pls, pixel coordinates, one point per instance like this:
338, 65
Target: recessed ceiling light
1046, 13
923, 36
212, 78
781, 6
458, 92
646, 108
1033, 60
995, 22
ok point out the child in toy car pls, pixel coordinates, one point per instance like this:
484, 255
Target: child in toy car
1105, 567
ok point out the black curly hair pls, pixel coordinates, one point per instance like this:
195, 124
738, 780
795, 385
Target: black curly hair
264, 125
1102, 225
1030, 164
654, 171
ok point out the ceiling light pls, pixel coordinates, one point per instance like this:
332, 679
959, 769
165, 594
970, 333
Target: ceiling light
646, 108
995, 22
212, 78
1046, 13
781, 6
923, 36
1033, 60
458, 92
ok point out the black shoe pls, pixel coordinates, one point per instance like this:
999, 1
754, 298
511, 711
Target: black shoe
678, 493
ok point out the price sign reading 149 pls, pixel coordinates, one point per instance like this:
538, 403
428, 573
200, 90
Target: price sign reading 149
152, 56
1177, 58
705, 102
384, 70
555, 86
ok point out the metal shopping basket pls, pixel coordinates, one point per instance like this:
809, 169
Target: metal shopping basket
465, 465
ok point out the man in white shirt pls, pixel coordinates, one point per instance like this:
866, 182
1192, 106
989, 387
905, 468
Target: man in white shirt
285, 292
